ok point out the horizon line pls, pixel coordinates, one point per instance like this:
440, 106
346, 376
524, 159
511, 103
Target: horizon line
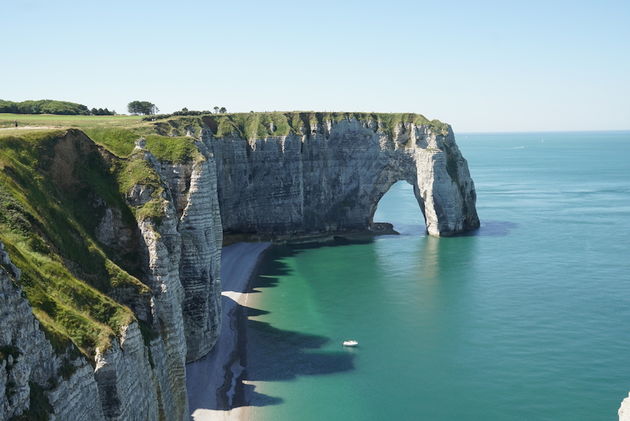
539, 131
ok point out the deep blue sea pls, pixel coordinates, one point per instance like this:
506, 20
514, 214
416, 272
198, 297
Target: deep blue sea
528, 319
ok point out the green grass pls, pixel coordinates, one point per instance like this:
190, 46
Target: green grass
65, 121
48, 227
250, 124
172, 149
178, 126
120, 141
118, 134
137, 171
259, 125
166, 135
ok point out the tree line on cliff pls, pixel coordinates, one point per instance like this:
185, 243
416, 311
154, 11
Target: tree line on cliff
50, 106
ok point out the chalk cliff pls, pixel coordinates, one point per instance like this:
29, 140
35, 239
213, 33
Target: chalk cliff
329, 174
164, 228
134, 250
192, 187
31, 371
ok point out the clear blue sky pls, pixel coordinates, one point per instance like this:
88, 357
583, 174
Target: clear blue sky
479, 65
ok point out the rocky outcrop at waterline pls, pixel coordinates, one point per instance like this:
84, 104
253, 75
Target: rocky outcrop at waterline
624, 410
329, 173
112, 283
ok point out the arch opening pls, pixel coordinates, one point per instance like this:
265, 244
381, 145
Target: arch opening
400, 207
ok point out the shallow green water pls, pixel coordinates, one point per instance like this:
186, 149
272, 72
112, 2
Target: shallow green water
527, 320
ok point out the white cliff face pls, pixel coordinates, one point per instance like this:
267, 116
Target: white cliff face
135, 378
332, 180
169, 351
29, 365
444, 186
201, 237
192, 187
125, 384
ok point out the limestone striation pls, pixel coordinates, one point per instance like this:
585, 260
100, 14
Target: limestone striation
192, 187
174, 242
62, 384
329, 174
114, 283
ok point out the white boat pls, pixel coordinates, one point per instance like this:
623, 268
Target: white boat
350, 342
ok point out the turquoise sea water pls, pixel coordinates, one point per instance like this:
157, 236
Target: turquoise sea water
529, 319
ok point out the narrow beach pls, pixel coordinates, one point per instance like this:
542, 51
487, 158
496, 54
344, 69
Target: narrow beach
211, 381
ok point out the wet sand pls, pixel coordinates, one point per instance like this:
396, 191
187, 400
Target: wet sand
212, 381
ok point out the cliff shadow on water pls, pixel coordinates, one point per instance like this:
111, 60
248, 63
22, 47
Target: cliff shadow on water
273, 354
280, 350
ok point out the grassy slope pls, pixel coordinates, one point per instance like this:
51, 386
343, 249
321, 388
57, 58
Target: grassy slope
116, 133
48, 228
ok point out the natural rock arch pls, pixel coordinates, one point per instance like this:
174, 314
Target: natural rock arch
330, 178
374, 207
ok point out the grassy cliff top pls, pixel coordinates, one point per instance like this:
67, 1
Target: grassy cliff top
169, 136
256, 125
7, 120
117, 133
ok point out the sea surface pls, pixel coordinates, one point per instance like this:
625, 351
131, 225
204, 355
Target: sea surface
527, 319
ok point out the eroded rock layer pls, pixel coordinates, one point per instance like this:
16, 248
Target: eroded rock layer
330, 178
126, 287
62, 384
